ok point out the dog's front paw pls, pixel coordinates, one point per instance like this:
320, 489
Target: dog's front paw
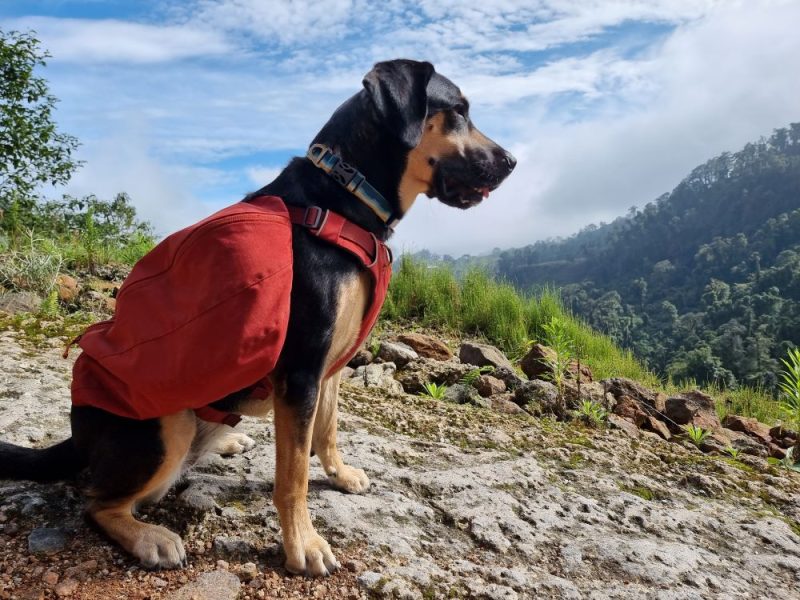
349, 479
310, 555
232, 443
159, 548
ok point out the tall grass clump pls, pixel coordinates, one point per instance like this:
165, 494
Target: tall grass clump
480, 306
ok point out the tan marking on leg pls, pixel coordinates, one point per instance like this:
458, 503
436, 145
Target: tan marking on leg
306, 551
341, 476
153, 545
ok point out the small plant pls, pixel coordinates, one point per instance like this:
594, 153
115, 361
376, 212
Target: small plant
733, 452
33, 267
471, 377
591, 413
697, 435
790, 389
557, 338
434, 390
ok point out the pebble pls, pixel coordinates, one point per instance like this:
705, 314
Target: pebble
47, 540
66, 588
50, 578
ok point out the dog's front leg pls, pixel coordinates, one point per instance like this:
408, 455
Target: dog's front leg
341, 476
307, 553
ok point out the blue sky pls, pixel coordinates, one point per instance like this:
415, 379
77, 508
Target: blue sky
607, 104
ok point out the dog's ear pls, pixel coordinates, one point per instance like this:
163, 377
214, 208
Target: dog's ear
398, 92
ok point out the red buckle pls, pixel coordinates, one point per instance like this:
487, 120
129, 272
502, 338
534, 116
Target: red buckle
315, 217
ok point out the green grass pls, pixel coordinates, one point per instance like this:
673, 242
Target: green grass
482, 307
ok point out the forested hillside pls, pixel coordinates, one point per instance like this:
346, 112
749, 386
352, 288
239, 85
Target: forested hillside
704, 282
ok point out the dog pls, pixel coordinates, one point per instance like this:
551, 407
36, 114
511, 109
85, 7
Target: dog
406, 132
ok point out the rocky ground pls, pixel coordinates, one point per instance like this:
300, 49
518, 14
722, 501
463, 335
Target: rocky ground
466, 501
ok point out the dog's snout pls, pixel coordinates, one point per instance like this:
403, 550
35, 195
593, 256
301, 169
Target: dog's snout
509, 161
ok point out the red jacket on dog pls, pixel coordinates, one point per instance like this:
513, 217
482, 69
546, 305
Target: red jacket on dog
205, 313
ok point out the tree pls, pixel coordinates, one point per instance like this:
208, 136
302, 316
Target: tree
32, 150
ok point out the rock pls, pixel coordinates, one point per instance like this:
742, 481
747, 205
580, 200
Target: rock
574, 367
397, 352
588, 390
67, 288
627, 427
540, 398
621, 386
657, 426
785, 438
214, 585
362, 357
379, 376
708, 485
464, 394
82, 571
419, 372
536, 363
503, 404
489, 386
749, 426
740, 441
693, 407
20, 302
426, 346
509, 377
47, 540
232, 546
247, 572
631, 409
483, 355
66, 588
50, 578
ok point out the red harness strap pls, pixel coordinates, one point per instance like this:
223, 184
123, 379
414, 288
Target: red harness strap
373, 254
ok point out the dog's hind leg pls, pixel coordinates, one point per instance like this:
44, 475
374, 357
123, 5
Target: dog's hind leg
306, 551
132, 462
341, 476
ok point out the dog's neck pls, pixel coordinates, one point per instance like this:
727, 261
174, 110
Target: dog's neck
363, 145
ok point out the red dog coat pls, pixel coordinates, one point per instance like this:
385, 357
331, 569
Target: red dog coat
205, 313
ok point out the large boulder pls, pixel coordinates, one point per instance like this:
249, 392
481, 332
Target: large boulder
417, 373
503, 403
426, 346
380, 376
587, 390
621, 386
536, 363
360, 358
397, 352
540, 398
509, 377
693, 407
483, 355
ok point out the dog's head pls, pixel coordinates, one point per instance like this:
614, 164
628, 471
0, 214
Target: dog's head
426, 113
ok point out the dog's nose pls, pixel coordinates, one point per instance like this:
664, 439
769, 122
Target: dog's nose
509, 161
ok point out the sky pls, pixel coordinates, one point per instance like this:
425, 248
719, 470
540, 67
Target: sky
606, 104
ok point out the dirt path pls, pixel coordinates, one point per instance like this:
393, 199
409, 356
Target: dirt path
464, 503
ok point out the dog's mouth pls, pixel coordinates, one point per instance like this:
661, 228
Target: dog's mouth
459, 192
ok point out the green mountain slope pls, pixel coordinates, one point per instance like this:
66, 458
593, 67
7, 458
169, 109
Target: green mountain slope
703, 283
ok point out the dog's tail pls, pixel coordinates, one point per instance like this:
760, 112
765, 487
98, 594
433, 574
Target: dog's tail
62, 461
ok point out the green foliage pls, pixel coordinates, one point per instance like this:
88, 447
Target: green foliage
790, 389
697, 435
559, 341
733, 452
591, 413
34, 266
472, 376
703, 283
434, 391
478, 305
33, 151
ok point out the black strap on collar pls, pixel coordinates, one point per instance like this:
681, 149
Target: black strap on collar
352, 180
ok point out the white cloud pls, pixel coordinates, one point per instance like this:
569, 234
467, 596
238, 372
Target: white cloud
114, 41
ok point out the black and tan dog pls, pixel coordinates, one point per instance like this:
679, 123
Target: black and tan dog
408, 132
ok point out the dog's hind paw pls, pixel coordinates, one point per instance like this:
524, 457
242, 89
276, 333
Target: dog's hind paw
313, 558
159, 548
349, 479
232, 443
